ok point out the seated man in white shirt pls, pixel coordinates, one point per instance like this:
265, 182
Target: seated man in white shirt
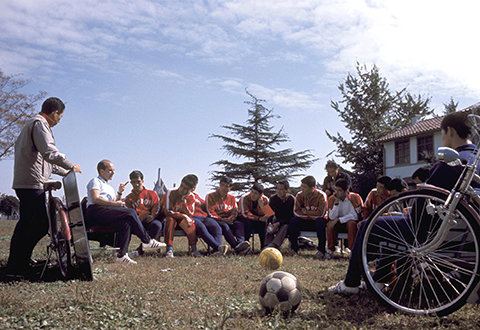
104, 207
344, 210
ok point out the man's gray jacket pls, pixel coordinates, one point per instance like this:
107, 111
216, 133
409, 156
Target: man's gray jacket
36, 156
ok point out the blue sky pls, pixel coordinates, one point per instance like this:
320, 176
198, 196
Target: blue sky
146, 82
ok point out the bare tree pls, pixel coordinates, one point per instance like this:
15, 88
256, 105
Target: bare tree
15, 109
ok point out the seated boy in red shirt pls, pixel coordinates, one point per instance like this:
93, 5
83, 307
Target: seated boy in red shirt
146, 204
179, 207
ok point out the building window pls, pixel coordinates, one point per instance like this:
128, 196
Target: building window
424, 147
402, 152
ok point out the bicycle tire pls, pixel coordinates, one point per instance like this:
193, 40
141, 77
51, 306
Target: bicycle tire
62, 239
437, 282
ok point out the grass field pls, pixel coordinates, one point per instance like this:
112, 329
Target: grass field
204, 293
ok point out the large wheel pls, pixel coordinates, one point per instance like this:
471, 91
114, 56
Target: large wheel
62, 240
435, 282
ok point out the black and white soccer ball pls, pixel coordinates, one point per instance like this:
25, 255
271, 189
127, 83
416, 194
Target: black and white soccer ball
280, 291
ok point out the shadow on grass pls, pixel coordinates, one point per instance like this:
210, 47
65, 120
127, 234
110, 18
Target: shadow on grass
51, 274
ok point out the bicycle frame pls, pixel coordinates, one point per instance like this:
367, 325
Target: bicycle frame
462, 188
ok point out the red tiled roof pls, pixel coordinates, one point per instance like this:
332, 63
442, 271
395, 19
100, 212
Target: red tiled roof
423, 126
420, 127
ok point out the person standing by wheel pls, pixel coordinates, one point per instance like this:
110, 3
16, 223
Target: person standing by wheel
36, 158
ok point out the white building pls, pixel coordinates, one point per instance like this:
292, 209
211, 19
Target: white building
404, 151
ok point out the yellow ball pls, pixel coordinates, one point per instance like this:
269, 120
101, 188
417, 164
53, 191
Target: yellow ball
270, 258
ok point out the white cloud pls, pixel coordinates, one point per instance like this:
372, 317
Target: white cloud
427, 44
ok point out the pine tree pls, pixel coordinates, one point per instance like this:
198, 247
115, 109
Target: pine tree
254, 145
450, 107
370, 111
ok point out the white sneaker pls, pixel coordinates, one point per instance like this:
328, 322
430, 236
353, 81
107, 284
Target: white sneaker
125, 260
337, 249
340, 287
169, 254
347, 250
153, 244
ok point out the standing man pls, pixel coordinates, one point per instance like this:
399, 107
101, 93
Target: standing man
333, 174
310, 212
36, 158
222, 206
282, 204
146, 203
106, 208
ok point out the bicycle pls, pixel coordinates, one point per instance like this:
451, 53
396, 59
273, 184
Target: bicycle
59, 232
421, 249
67, 232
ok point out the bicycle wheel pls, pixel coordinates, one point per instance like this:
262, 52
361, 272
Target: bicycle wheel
62, 240
434, 282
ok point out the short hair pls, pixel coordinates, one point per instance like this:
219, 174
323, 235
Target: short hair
397, 184
459, 122
136, 174
342, 183
52, 104
102, 165
422, 173
284, 183
331, 164
384, 179
227, 180
190, 181
258, 187
309, 181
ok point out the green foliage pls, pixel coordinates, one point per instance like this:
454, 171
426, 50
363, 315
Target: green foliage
15, 109
370, 111
8, 205
254, 145
450, 107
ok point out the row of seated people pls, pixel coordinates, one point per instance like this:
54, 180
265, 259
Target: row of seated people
221, 215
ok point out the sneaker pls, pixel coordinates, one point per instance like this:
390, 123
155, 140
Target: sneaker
340, 287
319, 255
347, 250
242, 248
329, 255
153, 244
125, 260
196, 254
337, 249
169, 254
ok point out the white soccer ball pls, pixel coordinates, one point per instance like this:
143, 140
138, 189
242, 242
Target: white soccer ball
280, 291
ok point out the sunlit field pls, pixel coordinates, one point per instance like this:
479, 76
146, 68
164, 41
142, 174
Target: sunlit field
204, 293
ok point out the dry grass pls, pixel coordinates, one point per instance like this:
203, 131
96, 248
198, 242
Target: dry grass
198, 293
